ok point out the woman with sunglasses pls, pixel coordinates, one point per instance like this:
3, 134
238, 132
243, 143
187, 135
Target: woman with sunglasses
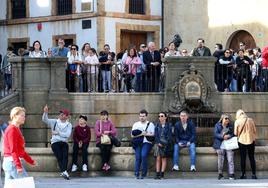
75, 61
224, 130
225, 71
163, 137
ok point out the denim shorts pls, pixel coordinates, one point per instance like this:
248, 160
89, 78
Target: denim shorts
11, 170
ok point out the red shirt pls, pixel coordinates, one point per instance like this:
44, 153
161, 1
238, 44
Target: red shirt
265, 57
14, 146
82, 134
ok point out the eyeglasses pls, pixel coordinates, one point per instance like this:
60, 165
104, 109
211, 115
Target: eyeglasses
73, 48
161, 116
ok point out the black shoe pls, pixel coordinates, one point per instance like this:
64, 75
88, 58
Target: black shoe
254, 177
243, 176
157, 176
231, 177
162, 175
220, 177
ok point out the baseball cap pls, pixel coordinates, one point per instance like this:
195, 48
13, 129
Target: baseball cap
83, 116
65, 112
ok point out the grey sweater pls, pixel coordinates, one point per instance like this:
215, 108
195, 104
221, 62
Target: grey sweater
63, 128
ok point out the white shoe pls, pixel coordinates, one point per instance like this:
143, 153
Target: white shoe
175, 168
74, 168
65, 175
84, 167
193, 168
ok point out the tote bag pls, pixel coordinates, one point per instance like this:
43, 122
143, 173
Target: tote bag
230, 144
20, 182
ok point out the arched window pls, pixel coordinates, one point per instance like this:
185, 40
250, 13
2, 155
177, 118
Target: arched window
241, 36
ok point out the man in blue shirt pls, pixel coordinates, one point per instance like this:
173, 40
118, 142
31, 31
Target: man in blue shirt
185, 137
60, 50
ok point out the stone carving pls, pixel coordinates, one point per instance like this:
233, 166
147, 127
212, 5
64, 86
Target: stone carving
191, 93
177, 40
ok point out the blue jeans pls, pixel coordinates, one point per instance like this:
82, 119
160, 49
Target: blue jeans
176, 154
106, 77
141, 157
11, 171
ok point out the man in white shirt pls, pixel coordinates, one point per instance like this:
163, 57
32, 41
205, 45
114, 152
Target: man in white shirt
141, 133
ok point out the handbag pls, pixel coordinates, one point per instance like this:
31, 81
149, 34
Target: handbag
149, 138
230, 144
105, 139
20, 182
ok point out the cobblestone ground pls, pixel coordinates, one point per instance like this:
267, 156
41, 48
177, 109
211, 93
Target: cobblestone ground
114, 182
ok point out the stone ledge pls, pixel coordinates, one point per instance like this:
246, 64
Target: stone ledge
123, 159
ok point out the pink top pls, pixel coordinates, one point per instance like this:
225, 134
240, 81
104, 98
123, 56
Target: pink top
132, 64
106, 126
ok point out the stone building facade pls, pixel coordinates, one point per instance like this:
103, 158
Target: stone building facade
222, 21
119, 23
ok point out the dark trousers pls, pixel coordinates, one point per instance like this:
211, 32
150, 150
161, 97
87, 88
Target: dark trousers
84, 153
60, 150
243, 155
105, 152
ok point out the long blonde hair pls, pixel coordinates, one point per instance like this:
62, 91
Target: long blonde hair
15, 111
240, 113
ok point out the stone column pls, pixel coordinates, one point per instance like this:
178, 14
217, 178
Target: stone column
58, 75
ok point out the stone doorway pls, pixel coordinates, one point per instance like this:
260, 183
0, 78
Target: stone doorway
132, 38
241, 36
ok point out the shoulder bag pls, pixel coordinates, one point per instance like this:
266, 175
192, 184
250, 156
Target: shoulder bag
105, 139
232, 143
149, 138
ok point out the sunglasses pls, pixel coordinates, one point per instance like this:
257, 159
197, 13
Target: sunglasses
226, 118
73, 48
143, 46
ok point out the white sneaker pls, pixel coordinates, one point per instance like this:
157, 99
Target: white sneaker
84, 167
74, 168
175, 168
65, 175
193, 168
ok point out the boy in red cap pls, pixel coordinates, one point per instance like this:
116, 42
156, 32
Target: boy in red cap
61, 130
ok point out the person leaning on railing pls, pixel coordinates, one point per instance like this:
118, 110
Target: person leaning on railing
37, 50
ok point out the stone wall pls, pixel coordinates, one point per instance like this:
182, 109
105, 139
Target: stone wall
123, 159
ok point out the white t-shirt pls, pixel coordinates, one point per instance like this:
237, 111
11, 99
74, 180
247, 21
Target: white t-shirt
142, 126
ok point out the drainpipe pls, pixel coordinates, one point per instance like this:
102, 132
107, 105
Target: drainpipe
162, 23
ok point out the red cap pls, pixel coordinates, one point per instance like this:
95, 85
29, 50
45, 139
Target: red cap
65, 112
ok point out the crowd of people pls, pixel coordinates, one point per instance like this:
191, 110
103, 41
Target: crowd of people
165, 139
142, 69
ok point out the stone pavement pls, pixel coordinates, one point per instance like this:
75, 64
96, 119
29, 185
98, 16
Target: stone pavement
127, 182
